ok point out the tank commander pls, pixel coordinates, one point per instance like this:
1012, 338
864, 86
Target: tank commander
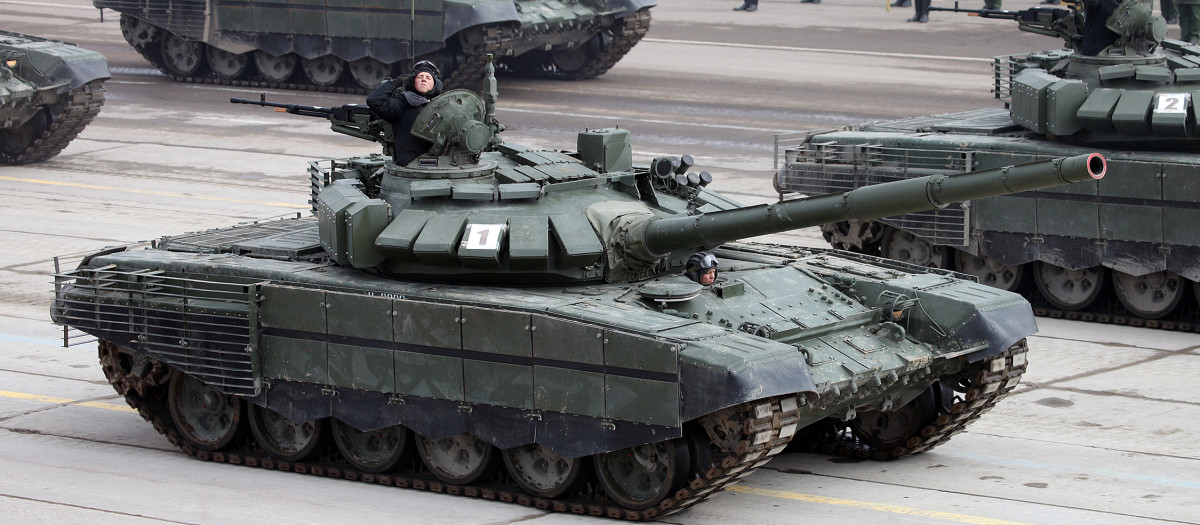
400, 106
1096, 34
702, 268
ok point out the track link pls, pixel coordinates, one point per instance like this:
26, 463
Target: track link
761, 429
82, 105
626, 34
976, 394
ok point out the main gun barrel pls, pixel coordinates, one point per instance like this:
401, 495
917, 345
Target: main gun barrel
868, 202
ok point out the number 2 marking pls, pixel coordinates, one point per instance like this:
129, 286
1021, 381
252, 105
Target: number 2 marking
1172, 103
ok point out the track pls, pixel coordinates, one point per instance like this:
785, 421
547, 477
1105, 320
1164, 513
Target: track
83, 103
762, 429
975, 394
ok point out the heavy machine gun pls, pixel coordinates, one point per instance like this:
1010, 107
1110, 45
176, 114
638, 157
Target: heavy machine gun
1135, 29
355, 120
1050, 21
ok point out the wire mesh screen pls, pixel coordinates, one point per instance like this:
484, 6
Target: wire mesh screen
182, 17
820, 168
200, 326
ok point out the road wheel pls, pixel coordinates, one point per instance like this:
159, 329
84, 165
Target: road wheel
642, 476
368, 72
461, 459
543, 472
887, 430
182, 57
228, 66
1069, 289
284, 439
1150, 296
991, 272
207, 418
275, 68
375, 451
323, 71
907, 247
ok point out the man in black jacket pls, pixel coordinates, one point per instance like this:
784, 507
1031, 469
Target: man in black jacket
400, 106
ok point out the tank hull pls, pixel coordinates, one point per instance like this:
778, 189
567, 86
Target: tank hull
352, 46
1137, 221
48, 95
583, 370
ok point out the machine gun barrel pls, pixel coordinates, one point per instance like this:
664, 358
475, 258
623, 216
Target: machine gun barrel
868, 202
1040, 20
295, 109
349, 119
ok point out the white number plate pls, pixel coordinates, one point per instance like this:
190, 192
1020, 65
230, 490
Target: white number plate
483, 236
1172, 102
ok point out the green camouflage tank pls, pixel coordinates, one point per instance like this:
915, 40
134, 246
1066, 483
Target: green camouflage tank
352, 45
1123, 249
49, 91
502, 322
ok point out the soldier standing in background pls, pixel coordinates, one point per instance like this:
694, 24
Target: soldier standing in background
1189, 20
1169, 12
922, 11
748, 6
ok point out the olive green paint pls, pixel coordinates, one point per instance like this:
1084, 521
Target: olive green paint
627, 399
294, 359
568, 391
362, 368
362, 316
1070, 218
433, 376
639, 353
292, 308
561, 340
496, 331
427, 324
498, 384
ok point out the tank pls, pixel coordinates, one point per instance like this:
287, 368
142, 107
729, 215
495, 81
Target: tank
49, 92
506, 323
352, 45
1125, 249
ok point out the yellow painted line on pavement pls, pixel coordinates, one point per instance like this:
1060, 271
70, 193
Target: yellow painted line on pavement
64, 401
151, 192
894, 509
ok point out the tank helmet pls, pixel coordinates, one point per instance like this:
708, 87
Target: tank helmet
699, 264
424, 66
427, 67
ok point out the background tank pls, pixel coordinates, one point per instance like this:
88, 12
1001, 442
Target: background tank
1123, 249
352, 45
500, 322
49, 91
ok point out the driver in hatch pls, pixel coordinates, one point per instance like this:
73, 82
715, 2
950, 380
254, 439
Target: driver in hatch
702, 268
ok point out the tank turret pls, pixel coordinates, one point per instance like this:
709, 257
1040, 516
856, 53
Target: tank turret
1118, 83
476, 209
